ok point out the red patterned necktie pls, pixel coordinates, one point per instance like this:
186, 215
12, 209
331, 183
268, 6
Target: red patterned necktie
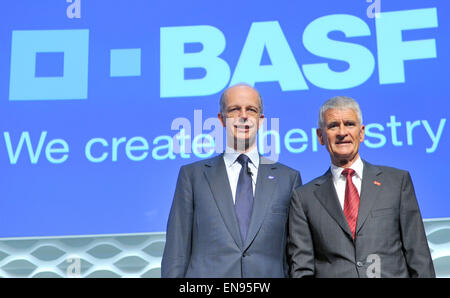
351, 202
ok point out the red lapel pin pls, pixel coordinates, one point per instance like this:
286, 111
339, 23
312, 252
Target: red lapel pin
376, 183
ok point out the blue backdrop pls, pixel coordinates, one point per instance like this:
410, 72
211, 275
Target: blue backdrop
102, 102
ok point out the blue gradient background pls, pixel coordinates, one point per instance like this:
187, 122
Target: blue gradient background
79, 197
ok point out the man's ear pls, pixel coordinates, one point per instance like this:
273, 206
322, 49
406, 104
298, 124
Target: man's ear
320, 136
223, 121
362, 133
261, 120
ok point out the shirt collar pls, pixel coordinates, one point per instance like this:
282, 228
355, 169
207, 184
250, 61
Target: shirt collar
230, 155
357, 166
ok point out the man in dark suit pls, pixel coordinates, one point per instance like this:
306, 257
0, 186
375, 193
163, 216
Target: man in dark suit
229, 213
358, 219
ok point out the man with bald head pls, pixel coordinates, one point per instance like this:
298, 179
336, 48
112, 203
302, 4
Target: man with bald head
358, 219
229, 213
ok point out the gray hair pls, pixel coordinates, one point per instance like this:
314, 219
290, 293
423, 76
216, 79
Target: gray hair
340, 103
223, 104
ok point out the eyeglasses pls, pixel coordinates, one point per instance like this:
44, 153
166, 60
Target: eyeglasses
237, 111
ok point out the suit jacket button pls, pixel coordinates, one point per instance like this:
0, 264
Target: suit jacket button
359, 264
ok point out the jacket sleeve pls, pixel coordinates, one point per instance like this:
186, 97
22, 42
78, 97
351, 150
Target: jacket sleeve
177, 249
300, 244
297, 181
414, 241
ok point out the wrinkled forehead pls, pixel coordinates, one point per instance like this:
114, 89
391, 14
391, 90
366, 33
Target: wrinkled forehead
340, 114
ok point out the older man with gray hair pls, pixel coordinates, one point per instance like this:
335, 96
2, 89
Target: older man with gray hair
358, 219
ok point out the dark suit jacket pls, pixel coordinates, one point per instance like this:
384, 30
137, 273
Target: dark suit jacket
203, 238
389, 225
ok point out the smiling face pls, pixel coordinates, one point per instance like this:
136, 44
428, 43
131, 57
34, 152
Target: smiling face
342, 134
242, 117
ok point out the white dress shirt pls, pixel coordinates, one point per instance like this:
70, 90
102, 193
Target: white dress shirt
234, 167
340, 181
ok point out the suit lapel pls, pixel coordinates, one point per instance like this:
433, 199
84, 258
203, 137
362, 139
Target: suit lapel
327, 196
217, 177
370, 190
265, 186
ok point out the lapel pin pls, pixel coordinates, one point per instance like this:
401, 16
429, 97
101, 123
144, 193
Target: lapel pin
270, 177
376, 183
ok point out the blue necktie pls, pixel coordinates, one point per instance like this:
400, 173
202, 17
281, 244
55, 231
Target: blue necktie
244, 196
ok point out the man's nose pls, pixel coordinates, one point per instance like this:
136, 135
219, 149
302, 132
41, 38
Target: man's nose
342, 130
243, 114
